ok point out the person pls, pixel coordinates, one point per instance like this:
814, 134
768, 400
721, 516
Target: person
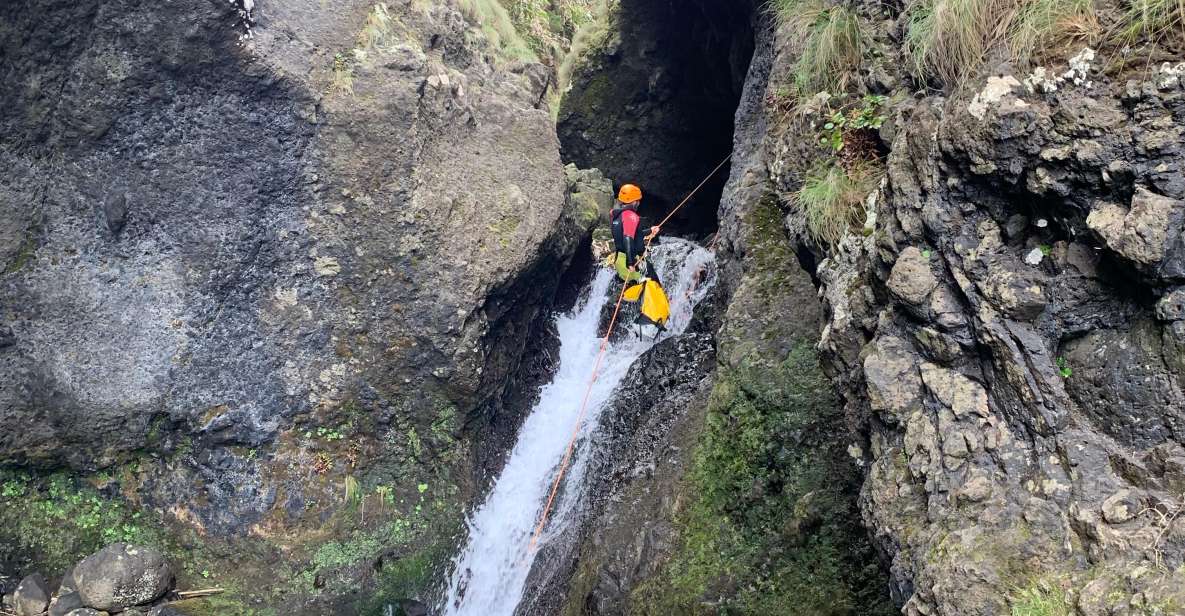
628, 248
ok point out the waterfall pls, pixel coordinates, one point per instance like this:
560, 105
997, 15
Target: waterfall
491, 570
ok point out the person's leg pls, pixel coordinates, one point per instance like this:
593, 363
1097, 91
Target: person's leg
623, 270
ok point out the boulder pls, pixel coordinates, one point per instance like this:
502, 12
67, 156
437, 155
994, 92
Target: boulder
1121, 507
1171, 307
121, 575
912, 279
85, 611
31, 597
65, 603
1140, 233
411, 607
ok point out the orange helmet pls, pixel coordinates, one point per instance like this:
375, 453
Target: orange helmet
629, 194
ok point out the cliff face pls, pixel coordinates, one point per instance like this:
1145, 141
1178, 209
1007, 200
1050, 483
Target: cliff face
1003, 333
1008, 339
260, 251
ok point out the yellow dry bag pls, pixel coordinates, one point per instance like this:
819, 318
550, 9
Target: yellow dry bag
654, 309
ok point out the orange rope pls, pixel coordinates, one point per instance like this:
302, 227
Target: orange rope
555, 484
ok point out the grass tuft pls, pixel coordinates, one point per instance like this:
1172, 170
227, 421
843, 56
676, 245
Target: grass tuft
343, 75
833, 48
832, 198
783, 10
948, 39
1160, 21
376, 33
1044, 26
1040, 599
496, 23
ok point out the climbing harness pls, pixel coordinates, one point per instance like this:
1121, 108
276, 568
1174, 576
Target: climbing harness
555, 484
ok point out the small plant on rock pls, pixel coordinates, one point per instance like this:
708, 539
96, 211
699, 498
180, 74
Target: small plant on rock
322, 463
1063, 367
1041, 598
851, 134
343, 75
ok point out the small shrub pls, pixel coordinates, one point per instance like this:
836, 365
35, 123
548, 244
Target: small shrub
851, 133
343, 75
1063, 368
833, 49
832, 198
376, 33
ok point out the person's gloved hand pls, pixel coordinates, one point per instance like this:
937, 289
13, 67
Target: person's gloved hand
653, 232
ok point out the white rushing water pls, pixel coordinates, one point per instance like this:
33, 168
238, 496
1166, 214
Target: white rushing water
490, 572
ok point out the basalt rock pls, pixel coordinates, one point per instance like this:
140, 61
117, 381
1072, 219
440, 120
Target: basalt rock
223, 225
121, 576
31, 597
1006, 340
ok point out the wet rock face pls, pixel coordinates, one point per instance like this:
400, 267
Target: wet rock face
631, 483
1018, 371
653, 101
213, 238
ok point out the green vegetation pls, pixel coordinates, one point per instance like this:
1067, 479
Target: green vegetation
499, 29
343, 75
843, 128
1043, 25
23, 255
591, 35
832, 197
949, 38
1040, 599
769, 529
376, 33
1157, 20
419, 531
833, 49
1063, 368
548, 25
57, 521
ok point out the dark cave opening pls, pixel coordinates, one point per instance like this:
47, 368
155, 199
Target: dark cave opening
654, 100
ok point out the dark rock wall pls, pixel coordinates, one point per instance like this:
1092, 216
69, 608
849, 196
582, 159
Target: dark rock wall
652, 102
151, 175
214, 244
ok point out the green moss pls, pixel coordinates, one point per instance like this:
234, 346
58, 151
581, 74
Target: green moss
24, 254
57, 521
771, 527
